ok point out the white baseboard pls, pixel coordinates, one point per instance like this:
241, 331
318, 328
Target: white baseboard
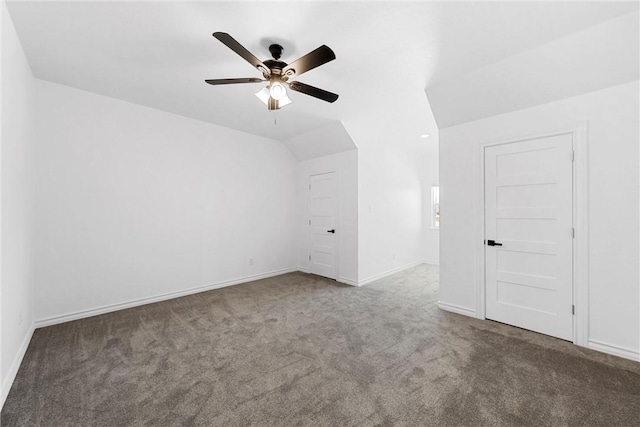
354, 282
340, 279
388, 273
456, 309
346, 281
615, 350
15, 365
54, 320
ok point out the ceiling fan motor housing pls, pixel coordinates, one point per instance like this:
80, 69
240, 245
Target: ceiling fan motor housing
275, 67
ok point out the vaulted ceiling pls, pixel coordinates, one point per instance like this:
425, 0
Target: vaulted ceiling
158, 54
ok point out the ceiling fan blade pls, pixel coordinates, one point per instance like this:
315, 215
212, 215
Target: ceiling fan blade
313, 91
232, 81
311, 60
232, 44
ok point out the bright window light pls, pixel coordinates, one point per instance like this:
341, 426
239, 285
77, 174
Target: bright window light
435, 206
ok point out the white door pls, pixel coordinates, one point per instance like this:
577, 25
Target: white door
322, 224
529, 234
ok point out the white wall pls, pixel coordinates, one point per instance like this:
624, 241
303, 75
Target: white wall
17, 201
329, 139
391, 179
390, 186
135, 203
346, 166
613, 139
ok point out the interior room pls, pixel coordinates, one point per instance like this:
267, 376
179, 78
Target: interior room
319, 213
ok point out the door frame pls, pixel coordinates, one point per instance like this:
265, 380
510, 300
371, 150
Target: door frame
337, 218
580, 206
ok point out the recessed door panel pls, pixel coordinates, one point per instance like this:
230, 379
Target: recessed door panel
533, 230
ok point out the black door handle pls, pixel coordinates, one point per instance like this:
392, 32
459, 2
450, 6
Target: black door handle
331, 231
493, 243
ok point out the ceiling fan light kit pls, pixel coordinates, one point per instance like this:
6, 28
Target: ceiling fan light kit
278, 73
272, 103
277, 91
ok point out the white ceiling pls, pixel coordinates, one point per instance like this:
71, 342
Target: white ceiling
157, 54
598, 57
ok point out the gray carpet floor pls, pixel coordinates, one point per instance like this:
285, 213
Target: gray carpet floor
303, 350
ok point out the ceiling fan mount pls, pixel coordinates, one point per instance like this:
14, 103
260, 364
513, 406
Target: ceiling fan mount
277, 73
276, 51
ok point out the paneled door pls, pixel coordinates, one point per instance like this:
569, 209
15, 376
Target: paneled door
323, 205
529, 234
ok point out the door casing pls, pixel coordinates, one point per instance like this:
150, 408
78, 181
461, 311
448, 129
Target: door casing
579, 133
337, 217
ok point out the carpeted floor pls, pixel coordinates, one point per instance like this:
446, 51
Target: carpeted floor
302, 350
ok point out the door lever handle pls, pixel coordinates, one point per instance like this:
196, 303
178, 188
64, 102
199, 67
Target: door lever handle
331, 231
493, 243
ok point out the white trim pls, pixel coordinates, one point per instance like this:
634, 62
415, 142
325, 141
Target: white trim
581, 240
579, 134
3, 394
346, 281
615, 350
15, 366
388, 273
336, 247
480, 251
430, 262
303, 269
54, 320
457, 309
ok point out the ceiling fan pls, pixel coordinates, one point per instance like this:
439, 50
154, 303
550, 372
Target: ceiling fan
278, 73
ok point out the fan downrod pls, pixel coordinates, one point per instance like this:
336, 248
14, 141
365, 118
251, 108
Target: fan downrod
276, 51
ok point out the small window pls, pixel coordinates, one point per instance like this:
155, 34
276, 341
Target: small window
435, 207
